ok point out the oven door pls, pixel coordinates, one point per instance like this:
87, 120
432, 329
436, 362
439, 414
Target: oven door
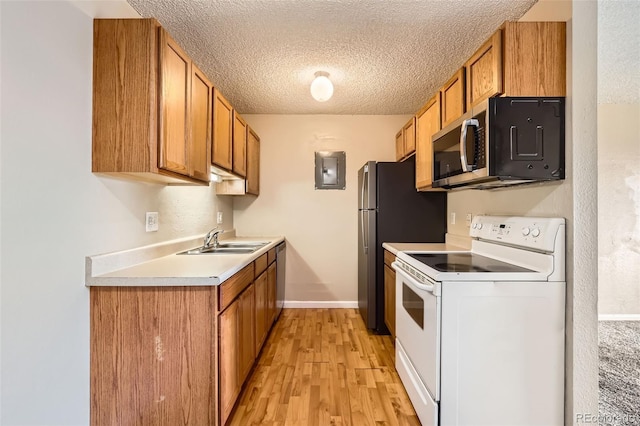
418, 343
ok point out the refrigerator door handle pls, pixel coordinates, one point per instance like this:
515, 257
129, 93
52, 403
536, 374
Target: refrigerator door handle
365, 243
365, 177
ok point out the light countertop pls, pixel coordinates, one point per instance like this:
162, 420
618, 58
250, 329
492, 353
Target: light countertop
453, 243
160, 265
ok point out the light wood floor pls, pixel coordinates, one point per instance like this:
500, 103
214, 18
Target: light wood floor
322, 367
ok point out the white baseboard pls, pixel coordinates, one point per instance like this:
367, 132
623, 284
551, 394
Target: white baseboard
320, 304
619, 317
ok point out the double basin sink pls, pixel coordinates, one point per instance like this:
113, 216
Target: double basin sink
231, 247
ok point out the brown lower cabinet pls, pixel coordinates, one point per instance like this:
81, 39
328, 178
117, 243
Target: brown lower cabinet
390, 293
271, 293
177, 355
153, 355
237, 348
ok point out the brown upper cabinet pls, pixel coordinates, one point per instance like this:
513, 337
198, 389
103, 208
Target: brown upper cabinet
142, 105
399, 146
484, 71
201, 125
221, 154
253, 162
427, 124
409, 137
406, 140
239, 145
519, 59
453, 98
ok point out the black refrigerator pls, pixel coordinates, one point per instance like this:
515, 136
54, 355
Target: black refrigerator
390, 209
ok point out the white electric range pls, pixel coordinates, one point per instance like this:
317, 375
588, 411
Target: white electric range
480, 334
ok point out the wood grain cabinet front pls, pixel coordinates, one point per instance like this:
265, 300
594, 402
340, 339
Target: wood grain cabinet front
389, 293
229, 324
519, 59
253, 162
142, 104
452, 96
201, 124
427, 123
262, 312
271, 294
409, 137
239, 145
406, 140
153, 354
237, 348
399, 146
222, 152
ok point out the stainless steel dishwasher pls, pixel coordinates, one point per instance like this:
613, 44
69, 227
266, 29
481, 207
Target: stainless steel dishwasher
281, 251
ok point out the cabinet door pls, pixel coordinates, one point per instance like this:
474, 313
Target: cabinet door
222, 131
253, 162
261, 289
399, 146
535, 58
151, 355
200, 125
484, 71
390, 300
409, 137
229, 324
239, 145
246, 337
271, 295
427, 123
452, 98
175, 90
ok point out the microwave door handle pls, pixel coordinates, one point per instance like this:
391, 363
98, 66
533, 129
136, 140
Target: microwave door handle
466, 167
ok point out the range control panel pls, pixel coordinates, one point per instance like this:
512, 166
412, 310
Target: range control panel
538, 233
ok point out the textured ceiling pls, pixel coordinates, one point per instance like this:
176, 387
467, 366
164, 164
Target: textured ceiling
383, 56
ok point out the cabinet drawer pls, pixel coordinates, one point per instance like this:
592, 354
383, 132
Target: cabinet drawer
389, 258
234, 286
261, 264
271, 256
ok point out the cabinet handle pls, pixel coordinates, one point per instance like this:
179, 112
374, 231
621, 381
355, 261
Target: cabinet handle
466, 167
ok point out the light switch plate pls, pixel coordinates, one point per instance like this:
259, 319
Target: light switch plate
219, 218
151, 221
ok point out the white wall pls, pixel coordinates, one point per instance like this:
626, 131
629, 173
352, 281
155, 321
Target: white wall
618, 158
54, 212
320, 225
574, 199
619, 206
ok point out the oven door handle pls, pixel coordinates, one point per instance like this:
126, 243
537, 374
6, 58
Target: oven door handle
431, 288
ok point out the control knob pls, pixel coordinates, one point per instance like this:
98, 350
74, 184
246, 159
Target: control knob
535, 232
526, 231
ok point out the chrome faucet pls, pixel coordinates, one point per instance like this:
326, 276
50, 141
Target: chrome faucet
212, 235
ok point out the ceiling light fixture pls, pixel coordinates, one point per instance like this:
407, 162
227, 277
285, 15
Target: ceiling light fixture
321, 87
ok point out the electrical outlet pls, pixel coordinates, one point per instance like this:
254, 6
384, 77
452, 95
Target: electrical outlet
468, 219
219, 218
452, 218
151, 221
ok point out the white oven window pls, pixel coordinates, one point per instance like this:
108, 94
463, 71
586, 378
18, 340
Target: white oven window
413, 304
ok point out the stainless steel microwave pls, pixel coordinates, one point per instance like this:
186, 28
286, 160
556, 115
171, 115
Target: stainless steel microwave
503, 141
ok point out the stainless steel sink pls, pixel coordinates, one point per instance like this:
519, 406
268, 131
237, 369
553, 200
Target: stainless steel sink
231, 247
242, 244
